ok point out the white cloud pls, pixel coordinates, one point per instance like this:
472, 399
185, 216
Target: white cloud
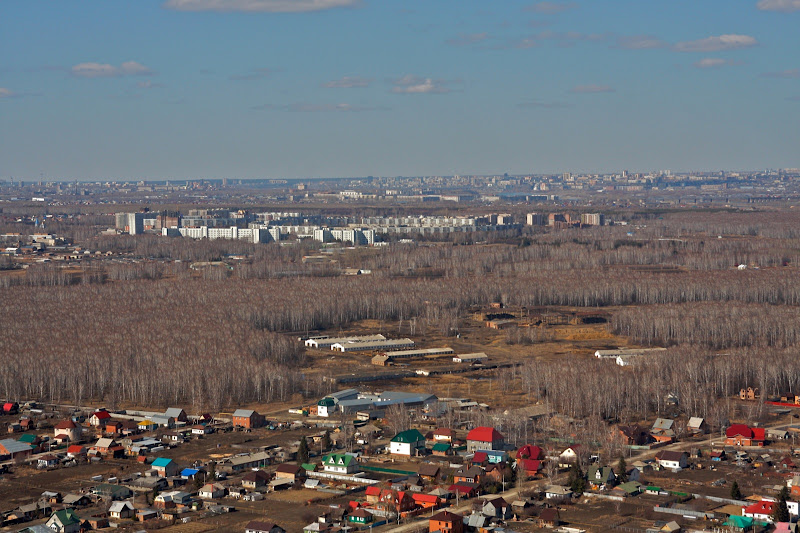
132, 68
551, 7
583, 89
7, 93
466, 39
148, 85
564, 39
640, 42
786, 74
265, 6
710, 62
304, 107
348, 82
106, 70
544, 105
715, 43
409, 84
779, 5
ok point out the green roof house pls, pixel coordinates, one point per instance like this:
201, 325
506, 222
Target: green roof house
407, 442
339, 463
601, 475
360, 516
64, 521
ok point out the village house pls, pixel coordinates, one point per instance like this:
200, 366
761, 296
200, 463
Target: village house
173, 437
529, 467
473, 474
569, 456
76, 500
211, 491
672, 460
109, 492
446, 522
255, 480
202, 430
163, 421
749, 394
242, 462
165, 467
555, 492
172, 499
47, 461
442, 449
697, 425
497, 508
742, 435
339, 463
290, 472
76, 451
444, 435
247, 418
106, 446
177, 414
760, 510
408, 443
428, 471
147, 425
99, 418
484, 438
600, 476
426, 501
14, 448
634, 435
360, 516
662, 430
68, 428
549, 517
529, 451
121, 510
393, 500
64, 521
261, 526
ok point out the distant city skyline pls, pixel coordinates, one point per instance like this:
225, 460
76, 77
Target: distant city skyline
244, 89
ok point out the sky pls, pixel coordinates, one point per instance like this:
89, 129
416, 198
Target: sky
180, 89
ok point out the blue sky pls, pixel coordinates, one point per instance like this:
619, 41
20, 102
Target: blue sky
154, 89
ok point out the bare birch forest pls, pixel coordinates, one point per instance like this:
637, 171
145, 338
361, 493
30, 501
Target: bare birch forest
150, 330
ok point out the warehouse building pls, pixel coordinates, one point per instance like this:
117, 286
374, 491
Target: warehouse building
627, 352
368, 346
327, 342
476, 357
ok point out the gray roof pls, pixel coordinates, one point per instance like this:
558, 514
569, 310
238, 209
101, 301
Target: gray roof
663, 423
70, 499
244, 413
253, 457
39, 528
117, 507
15, 446
346, 394
174, 412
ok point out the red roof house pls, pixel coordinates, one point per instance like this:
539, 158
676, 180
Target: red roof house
426, 501
529, 466
484, 438
98, 418
530, 451
760, 510
743, 435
